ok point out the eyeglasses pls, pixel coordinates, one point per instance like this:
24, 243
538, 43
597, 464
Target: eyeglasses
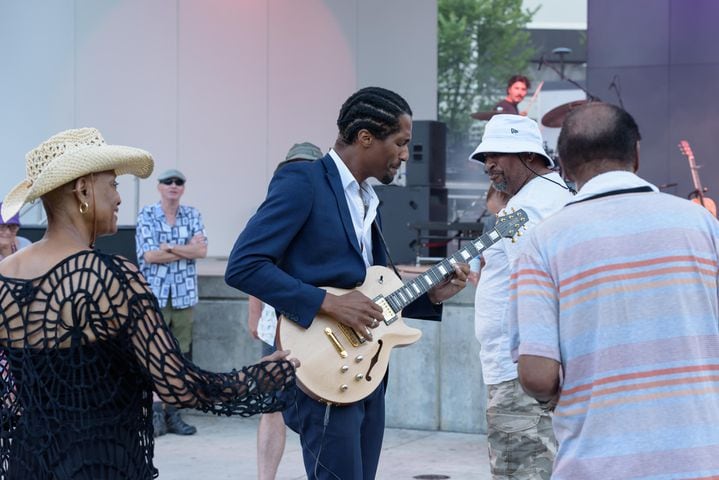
169, 181
13, 227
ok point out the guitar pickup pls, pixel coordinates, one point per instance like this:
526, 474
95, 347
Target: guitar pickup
351, 335
388, 314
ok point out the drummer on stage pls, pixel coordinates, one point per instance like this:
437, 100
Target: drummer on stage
517, 87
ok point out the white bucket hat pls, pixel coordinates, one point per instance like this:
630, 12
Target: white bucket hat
69, 155
511, 134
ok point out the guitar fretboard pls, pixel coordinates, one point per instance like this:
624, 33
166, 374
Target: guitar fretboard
415, 288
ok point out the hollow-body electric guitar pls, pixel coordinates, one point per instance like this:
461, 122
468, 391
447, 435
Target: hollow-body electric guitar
697, 195
339, 366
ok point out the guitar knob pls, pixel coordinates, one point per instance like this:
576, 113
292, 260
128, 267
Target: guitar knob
344, 387
359, 358
344, 368
359, 377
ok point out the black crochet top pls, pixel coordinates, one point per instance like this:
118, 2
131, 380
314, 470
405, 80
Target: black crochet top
81, 350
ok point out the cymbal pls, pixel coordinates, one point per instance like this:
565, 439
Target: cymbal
485, 115
555, 116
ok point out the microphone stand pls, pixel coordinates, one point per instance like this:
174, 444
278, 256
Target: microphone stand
590, 96
618, 89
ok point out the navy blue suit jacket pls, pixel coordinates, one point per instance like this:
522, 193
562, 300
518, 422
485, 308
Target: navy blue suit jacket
302, 238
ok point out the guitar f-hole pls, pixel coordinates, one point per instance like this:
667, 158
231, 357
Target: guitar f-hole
372, 362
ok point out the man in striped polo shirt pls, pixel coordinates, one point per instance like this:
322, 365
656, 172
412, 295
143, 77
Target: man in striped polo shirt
616, 315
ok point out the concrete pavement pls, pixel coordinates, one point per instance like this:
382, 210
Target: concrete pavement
225, 448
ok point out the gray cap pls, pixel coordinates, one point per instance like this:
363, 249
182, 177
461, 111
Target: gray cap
305, 151
171, 173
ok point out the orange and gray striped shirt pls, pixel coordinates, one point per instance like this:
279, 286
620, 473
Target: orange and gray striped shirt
620, 287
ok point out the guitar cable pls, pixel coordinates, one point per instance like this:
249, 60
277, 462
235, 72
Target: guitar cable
571, 190
326, 419
304, 446
322, 441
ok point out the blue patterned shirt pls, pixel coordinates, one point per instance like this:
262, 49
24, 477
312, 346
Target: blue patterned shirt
176, 280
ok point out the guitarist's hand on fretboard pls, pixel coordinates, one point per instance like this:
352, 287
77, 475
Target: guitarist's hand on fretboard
451, 286
353, 309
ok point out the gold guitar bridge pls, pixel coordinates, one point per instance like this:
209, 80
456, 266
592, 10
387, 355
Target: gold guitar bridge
335, 343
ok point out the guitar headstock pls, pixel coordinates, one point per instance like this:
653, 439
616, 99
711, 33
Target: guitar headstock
686, 149
508, 225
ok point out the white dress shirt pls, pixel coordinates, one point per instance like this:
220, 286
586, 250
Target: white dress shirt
363, 202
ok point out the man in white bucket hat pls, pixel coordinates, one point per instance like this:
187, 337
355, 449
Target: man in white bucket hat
519, 429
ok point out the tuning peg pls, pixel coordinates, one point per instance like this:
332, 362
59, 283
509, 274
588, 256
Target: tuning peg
519, 234
514, 240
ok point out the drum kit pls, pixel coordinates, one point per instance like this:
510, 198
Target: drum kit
551, 119
555, 117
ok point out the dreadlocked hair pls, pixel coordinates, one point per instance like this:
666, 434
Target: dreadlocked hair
374, 109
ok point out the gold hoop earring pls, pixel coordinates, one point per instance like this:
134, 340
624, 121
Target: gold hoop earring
84, 206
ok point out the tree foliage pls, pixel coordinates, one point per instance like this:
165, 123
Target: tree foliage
481, 44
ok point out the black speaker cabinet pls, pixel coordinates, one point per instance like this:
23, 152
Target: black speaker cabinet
402, 206
427, 162
122, 243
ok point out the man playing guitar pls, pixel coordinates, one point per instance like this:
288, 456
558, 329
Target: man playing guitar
320, 226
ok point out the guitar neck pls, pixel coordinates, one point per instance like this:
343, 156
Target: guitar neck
686, 150
695, 177
417, 287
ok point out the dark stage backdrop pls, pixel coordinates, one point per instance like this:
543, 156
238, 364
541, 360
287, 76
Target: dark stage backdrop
664, 56
122, 243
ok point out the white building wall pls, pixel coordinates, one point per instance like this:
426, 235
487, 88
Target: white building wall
558, 14
218, 88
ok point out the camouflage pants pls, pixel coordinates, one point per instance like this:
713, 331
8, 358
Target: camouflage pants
519, 434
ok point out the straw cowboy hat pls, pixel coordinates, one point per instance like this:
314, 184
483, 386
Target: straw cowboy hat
69, 155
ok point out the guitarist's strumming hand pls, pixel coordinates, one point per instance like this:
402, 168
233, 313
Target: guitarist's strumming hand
355, 310
451, 286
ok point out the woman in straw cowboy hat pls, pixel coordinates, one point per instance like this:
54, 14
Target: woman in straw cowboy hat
83, 335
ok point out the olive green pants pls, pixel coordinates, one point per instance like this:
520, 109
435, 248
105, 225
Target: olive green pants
180, 322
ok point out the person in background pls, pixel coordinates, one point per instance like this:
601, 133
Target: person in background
169, 238
9, 241
495, 201
517, 88
616, 318
262, 319
519, 429
84, 336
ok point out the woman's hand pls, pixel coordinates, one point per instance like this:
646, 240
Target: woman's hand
281, 355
